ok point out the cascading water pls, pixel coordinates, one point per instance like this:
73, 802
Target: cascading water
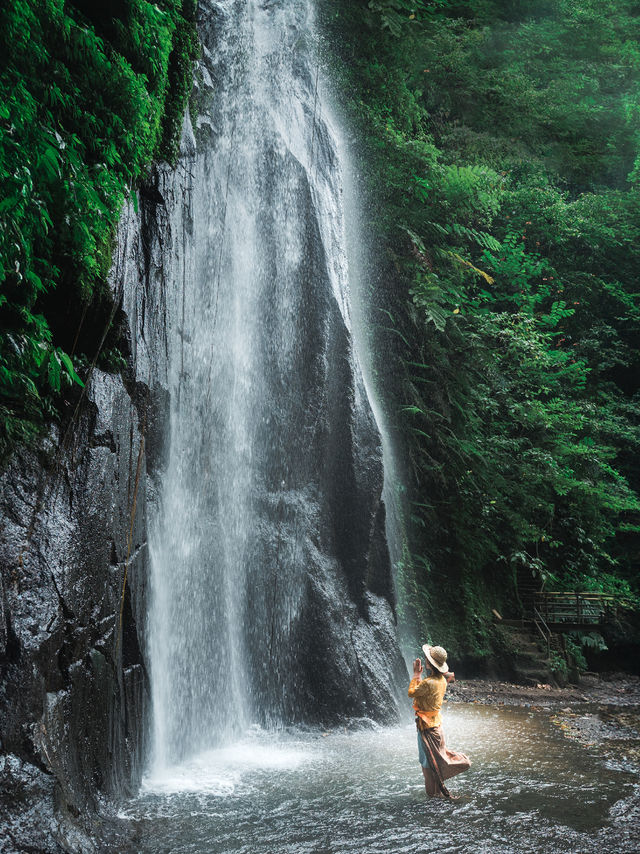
271, 598
270, 588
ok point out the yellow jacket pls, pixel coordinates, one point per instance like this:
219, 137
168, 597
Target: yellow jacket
428, 695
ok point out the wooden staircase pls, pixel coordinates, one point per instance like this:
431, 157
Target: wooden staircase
546, 614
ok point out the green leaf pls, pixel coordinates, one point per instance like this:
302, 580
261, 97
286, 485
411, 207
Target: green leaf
68, 364
53, 371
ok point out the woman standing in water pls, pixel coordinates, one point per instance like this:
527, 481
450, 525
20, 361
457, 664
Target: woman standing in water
438, 763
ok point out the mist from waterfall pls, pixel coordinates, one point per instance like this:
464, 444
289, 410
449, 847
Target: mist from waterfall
267, 544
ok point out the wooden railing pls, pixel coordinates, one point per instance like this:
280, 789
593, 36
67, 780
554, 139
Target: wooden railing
575, 608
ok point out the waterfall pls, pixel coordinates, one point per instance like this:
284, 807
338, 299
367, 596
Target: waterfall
271, 598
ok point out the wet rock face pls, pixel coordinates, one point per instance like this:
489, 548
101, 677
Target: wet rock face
73, 683
27, 804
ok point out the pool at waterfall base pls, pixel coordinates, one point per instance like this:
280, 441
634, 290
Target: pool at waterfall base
360, 789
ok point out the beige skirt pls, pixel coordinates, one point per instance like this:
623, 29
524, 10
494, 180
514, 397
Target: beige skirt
435, 755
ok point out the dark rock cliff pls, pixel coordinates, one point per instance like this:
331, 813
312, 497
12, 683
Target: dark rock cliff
71, 691
73, 683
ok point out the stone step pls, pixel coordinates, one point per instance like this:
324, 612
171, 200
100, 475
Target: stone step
530, 653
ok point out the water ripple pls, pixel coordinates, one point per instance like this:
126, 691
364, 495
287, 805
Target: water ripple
528, 790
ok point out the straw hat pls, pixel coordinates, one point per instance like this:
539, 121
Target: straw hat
437, 657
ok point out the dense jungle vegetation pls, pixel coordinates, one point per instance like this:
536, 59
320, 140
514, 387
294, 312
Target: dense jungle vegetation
500, 148
90, 94
501, 154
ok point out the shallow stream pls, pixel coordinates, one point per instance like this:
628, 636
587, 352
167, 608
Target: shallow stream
354, 792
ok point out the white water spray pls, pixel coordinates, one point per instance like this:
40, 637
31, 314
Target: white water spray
266, 550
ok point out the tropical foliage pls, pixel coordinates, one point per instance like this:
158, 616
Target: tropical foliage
501, 150
89, 94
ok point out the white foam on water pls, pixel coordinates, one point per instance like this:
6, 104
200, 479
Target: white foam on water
219, 772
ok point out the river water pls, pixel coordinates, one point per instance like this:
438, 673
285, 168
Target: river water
340, 792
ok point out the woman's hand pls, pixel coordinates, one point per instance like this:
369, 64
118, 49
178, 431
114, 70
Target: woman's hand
417, 669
